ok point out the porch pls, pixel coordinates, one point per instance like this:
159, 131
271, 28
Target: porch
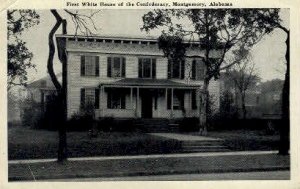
148, 98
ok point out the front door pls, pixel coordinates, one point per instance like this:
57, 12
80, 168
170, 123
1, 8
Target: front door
146, 105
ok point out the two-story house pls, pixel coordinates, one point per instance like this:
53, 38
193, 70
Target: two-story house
126, 77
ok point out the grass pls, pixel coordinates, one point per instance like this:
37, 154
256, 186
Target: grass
246, 139
25, 143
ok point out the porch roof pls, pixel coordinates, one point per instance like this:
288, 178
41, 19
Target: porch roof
149, 83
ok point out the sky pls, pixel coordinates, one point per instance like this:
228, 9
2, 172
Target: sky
268, 54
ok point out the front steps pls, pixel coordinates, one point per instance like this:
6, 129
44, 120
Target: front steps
192, 143
203, 146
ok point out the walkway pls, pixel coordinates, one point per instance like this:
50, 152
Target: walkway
168, 164
185, 137
270, 175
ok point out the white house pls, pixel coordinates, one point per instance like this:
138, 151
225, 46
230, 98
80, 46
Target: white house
127, 77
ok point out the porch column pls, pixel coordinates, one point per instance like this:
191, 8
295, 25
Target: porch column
131, 97
166, 97
101, 101
198, 101
172, 102
137, 102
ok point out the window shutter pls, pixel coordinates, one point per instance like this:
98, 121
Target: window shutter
108, 66
201, 70
97, 66
123, 67
169, 69
140, 67
153, 68
182, 101
169, 96
194, 69
97, 98
194, 101
182, 69
82, 98
82, 65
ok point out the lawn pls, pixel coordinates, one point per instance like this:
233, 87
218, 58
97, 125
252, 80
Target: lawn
247, 139
25, 143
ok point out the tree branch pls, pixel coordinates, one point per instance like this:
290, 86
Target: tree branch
52, 50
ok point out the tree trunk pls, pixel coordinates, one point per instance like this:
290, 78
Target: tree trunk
285, 125
61, 89
203, 108
243, 97
62, 132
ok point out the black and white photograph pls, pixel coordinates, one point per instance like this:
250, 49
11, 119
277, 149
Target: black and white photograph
186, 93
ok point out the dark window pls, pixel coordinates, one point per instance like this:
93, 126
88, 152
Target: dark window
198, 69
147, 68
178, 99
89, 65
116, 67
89, 96
176, 69
115, 100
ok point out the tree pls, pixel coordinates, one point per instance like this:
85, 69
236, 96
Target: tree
18, 55
244, 77
276, 22
223, 29
285, 105
81, 25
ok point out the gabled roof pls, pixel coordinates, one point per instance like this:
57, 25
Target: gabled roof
45, 82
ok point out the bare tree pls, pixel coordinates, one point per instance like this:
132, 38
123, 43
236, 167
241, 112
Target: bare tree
244, 77
82, 24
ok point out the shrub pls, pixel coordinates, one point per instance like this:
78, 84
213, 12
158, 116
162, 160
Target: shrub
121, 125
106, 124
189, 124
82, 120
31, 113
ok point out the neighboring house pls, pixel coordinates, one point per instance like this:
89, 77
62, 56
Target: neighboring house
261, 99
42, 90
126, 77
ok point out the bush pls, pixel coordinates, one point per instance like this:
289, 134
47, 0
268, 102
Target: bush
106, 124
121, 125
189, 124
31, 113
31, 117
80, 122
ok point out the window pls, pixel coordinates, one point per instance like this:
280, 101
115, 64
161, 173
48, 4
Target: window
178, 99
197, 70
147, 68
89, 96
176, 69
116, 67
115, 100
89, 66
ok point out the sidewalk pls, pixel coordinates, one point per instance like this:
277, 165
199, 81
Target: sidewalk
120, 166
